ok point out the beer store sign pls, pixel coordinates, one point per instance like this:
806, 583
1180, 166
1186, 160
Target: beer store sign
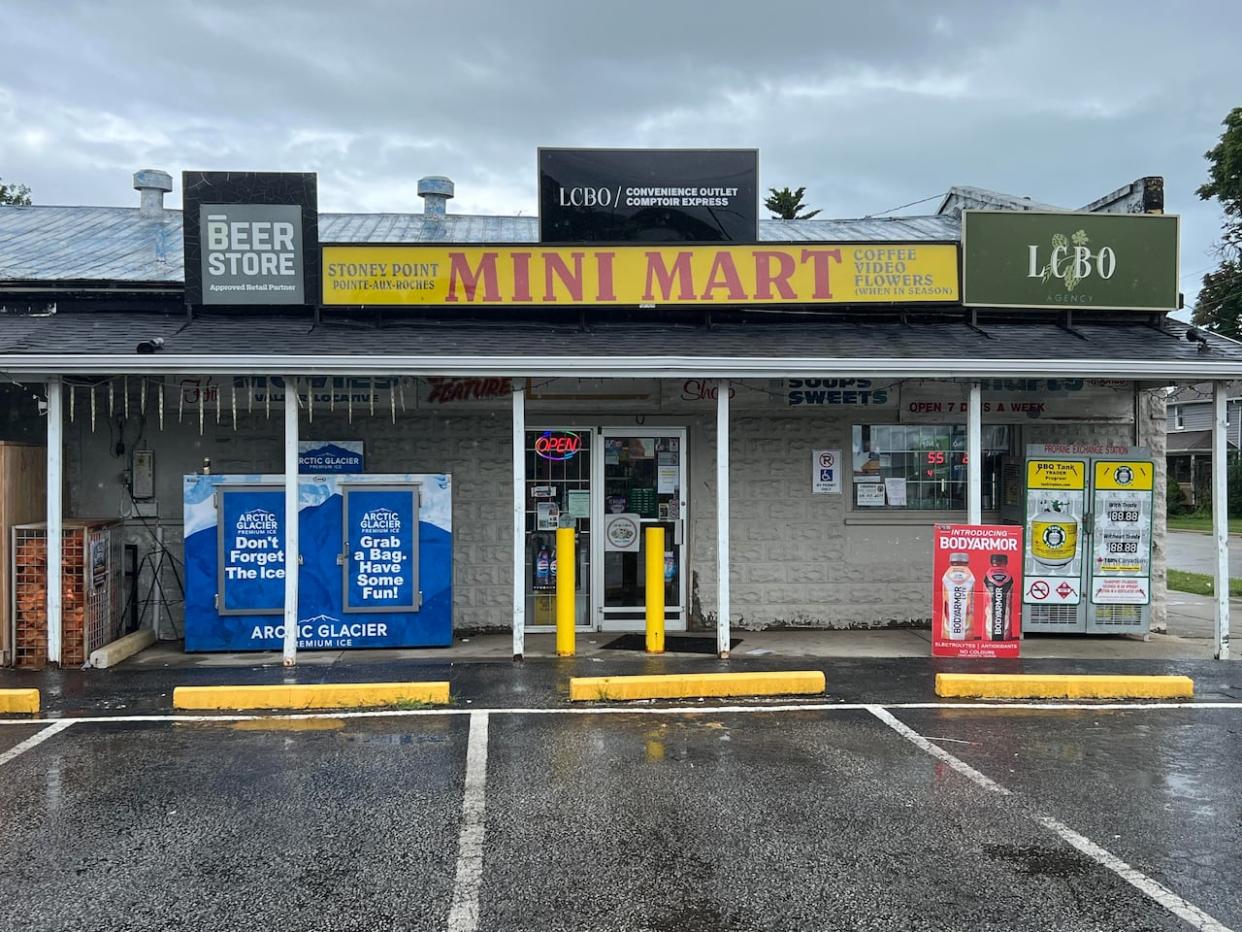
1103, 262
247, 237
648, 195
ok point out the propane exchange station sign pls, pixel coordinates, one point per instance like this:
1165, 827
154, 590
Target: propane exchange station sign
648, 195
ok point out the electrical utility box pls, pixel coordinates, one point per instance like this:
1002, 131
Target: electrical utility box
1087, 512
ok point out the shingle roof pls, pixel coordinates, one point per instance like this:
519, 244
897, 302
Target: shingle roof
117, 244
810, 338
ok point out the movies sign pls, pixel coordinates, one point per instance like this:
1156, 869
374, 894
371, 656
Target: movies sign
977, 579
648, 195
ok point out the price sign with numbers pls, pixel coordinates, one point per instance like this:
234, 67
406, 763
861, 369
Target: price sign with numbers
1122, 505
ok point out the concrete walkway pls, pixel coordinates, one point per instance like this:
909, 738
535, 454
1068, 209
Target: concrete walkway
1189, 638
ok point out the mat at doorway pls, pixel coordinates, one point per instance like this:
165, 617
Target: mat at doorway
672, 645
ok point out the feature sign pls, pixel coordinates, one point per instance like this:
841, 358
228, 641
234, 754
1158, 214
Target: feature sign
977, 575
627, 276
1103, 262
251, 550
381, 536
648, 195
826, 472
1055, 495
329, 456
248, 236
1122, 505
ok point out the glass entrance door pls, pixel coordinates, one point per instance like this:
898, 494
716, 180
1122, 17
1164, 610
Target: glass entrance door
558, 495
641, 477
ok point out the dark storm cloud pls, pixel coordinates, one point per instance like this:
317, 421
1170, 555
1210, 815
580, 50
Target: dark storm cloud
869, 105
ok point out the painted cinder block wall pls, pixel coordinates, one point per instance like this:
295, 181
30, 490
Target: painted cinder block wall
799, 560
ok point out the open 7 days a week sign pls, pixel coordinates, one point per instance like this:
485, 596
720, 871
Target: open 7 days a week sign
819, 273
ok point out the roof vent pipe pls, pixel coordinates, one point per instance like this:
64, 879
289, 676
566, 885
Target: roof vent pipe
152, 184
435, 190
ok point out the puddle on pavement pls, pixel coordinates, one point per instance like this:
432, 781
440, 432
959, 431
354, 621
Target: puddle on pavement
1042, 860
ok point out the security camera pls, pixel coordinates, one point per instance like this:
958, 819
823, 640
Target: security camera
153, 345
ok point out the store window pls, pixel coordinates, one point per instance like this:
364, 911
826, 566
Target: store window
917, 468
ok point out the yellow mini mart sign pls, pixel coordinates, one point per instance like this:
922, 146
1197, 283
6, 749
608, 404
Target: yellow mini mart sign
815, 273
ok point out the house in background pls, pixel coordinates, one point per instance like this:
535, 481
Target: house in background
1189, 451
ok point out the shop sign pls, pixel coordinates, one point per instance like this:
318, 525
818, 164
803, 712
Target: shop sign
648, 195
627, 276
836, 393
1107, 262
826, 472
259, 393
437, 391
247, 237
976, 573
1056, 491
251, 550
1014, 401
330, 456
558, 445
1122, 505
622, 533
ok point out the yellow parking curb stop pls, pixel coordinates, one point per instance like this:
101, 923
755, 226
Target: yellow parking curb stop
19, 700
1062, 686
695, 685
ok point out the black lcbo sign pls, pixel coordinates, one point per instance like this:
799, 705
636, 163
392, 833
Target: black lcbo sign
648, 195
251, 238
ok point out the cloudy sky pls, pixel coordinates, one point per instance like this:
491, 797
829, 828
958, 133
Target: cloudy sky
868, 104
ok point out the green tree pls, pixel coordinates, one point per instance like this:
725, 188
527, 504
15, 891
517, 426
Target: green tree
14, 194
1219, 307
786, 204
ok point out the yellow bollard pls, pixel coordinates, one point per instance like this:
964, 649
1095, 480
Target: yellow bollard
655, 590
566, 600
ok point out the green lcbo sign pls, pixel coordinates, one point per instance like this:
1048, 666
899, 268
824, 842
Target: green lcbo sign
1102, 262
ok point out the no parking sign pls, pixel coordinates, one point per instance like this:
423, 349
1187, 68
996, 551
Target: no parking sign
826, 472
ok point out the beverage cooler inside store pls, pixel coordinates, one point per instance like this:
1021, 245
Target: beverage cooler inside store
1087, 515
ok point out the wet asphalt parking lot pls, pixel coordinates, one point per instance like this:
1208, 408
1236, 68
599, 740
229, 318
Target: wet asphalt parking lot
767, 818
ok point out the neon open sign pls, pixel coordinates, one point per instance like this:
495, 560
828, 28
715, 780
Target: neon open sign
558, 445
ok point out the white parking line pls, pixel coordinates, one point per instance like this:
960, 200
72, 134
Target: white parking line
464, 914
33, 741
1179, 907
704, 709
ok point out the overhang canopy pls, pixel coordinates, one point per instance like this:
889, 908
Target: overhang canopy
104, 343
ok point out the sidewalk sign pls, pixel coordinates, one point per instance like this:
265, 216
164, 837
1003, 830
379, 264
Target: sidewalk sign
976, 582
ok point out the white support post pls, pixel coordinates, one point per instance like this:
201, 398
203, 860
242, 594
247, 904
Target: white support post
722, 518
519, 519
974, 456
291, 522
55, 524
1220, 519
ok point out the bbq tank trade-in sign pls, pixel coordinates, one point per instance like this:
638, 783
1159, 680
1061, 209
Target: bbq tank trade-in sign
1055, 495
977, 575
1101, 262
248, 236
1121, 509
648, 195
629, 276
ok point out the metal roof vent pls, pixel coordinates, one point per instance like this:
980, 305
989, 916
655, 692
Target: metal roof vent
435, 190
152, 184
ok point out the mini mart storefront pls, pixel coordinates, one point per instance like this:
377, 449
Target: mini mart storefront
681, 416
